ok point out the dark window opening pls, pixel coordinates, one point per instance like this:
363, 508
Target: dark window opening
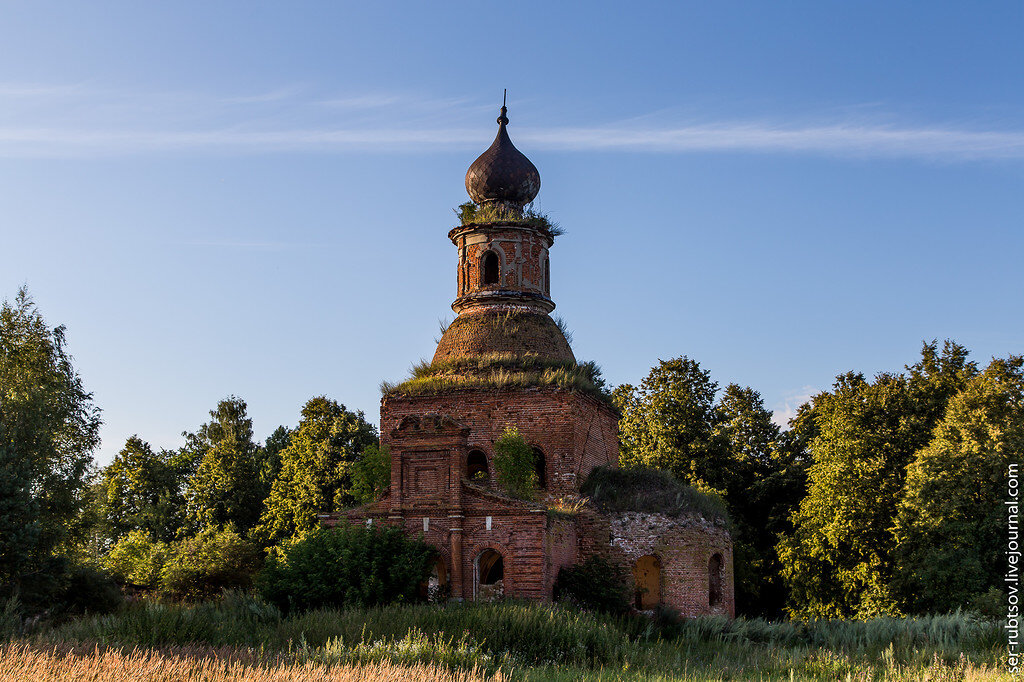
540, 467
476, 466
547, 276
490, 268
715, 580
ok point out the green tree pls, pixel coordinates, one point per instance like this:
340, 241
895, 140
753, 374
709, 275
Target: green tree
316, 469
515, 464
765, 486
839, 561
270, 455
140, 490
49, 428
226, 487
371, 473
952, 521
19, 519
669, 423
730, 447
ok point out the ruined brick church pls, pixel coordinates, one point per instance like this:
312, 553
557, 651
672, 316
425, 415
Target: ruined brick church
493, 369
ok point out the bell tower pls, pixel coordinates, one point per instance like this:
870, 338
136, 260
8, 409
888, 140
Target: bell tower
504, 270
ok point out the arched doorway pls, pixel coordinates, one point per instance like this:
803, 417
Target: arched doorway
647, 579
436, 588
476, 466
715, 580
490, 575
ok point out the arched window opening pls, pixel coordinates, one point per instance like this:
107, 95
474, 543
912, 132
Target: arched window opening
547, 277
540, 466
490, 576
435, 588
647, 578
476, 466
715, 580
490, 272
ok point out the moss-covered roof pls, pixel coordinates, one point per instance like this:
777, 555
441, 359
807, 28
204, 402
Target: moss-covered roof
649, 490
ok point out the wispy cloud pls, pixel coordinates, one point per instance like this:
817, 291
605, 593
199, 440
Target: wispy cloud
786, 408
833, 139
249, 245
74, 120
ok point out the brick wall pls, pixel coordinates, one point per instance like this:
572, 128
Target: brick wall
574, 431
464, 519
483, 330
684, 547
522, 252
561, 549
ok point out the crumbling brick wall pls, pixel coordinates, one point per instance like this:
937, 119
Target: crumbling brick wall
522, 252
496, 330
574, 431
561, 549
684, 547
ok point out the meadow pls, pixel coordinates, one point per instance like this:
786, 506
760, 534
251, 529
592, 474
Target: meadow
243, 638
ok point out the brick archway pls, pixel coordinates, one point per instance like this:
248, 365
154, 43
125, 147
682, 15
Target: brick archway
492, 563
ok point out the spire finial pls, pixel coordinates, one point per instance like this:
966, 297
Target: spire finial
503, 119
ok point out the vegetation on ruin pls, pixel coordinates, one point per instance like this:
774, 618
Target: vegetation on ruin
641, 489
471, 213
515, 464
501, 370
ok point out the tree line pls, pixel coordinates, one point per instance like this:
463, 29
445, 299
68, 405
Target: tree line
882, 496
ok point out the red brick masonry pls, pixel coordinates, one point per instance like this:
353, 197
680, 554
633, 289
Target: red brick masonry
430, 438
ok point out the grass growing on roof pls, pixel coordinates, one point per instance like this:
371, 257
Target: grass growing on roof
649, 490
500, 370
471, 213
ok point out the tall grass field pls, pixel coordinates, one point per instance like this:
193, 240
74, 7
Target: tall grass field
243, 638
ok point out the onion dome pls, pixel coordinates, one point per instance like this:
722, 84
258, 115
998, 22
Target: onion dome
502, 174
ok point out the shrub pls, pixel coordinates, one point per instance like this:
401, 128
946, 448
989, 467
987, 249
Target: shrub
203, 566
136, 560
347, 566
597, 584
62, 586
89, 589
514, 462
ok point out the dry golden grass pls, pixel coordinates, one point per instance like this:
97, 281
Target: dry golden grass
25, 663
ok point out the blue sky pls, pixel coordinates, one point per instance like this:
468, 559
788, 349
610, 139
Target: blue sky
252, 198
